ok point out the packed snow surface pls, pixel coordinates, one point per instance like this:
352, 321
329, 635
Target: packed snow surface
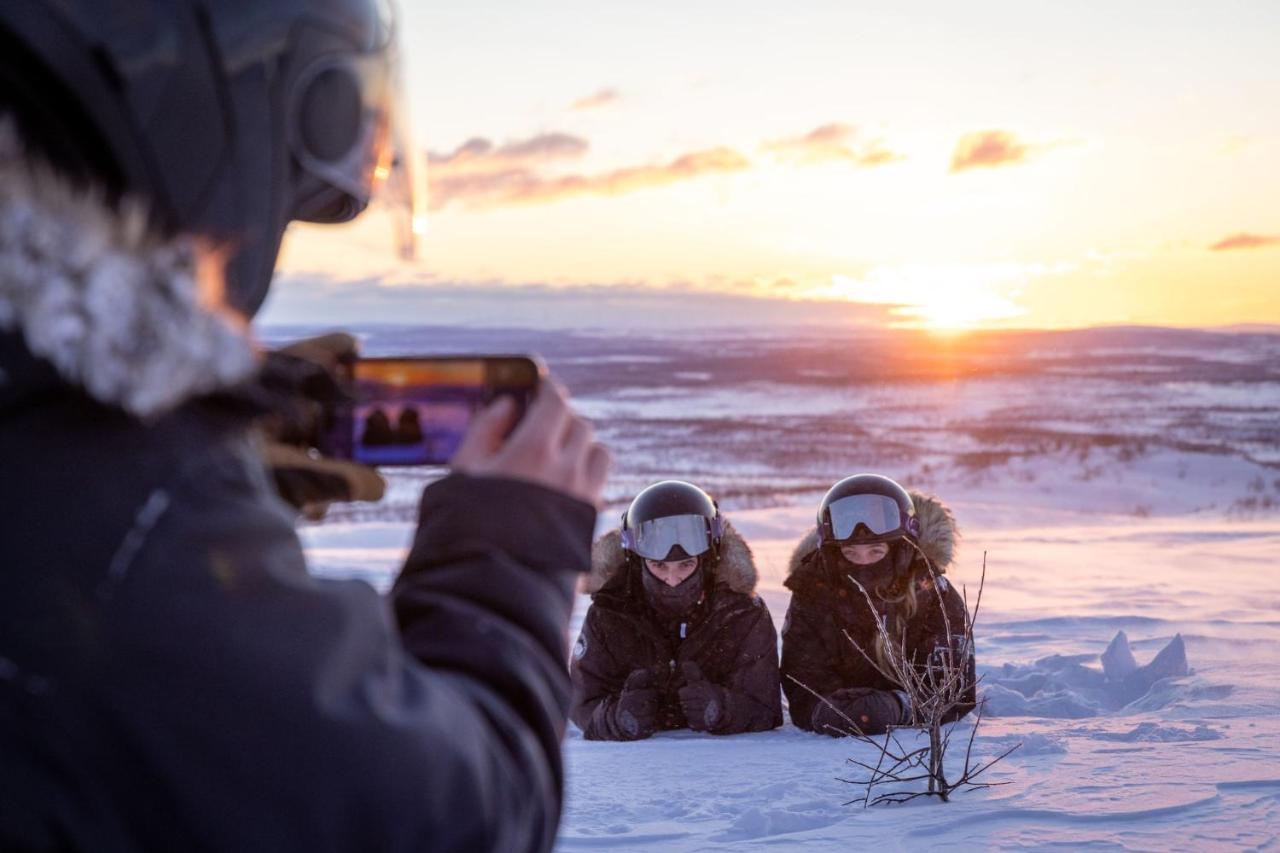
1129, 634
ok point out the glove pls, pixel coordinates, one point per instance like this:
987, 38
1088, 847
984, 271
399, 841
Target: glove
859, 710
300, 388
636, 713
310, 483
702, 701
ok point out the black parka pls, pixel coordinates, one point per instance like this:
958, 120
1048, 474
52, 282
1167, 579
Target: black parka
828, 614
171, 677
729, 635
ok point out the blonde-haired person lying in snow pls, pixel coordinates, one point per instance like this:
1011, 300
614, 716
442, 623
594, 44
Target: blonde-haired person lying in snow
871, 529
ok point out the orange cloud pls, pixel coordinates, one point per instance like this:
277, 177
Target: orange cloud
832, 143
479, 155
603, 98
987, 149
1245, 241
522, 184
481, 174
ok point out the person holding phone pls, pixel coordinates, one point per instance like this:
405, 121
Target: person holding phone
171, 676
897, 545
675, 636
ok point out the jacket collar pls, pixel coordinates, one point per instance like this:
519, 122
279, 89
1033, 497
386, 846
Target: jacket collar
90, 290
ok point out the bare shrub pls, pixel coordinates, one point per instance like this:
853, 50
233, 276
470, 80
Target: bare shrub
938, 690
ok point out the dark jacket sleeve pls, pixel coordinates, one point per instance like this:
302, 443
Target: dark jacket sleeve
598, 677
808, 664
752, 700
941, 643
303, 719
485, 596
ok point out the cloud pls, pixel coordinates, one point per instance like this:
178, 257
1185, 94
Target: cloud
1245, 241
480, 174
832, 143
479, 155
602, 98
987, 149
502, 180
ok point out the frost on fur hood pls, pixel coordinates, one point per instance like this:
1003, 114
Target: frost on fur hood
938, 534
93, 292
736, 568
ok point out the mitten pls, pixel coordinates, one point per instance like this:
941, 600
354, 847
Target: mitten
702, 701
636, 711
859, 710
300, 387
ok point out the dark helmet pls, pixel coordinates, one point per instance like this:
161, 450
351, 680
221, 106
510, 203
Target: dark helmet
867, 508
672, 520
228, 118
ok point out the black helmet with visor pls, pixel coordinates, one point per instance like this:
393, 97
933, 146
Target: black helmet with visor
228, 118
867, 508
672, 520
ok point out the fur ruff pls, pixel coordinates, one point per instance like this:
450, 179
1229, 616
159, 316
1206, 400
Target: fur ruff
736, 568
92, 291
938, 535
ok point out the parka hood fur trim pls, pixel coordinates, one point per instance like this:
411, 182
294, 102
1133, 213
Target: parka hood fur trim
938, 534
91, 290
736, 568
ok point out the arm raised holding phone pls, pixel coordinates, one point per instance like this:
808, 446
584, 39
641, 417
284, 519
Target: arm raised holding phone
485, 596
487, 591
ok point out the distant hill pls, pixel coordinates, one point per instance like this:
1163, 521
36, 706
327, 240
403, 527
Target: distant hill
1252, 328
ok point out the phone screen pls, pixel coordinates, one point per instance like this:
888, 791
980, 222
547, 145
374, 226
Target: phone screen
415, 411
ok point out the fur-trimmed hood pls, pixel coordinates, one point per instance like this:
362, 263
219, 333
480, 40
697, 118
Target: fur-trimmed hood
736, 568
117, 312
938, 534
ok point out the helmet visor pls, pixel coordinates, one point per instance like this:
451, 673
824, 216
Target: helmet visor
654, 539
880, 514
379, 164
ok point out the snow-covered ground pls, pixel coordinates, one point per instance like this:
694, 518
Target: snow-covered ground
1106, 504
1193, 765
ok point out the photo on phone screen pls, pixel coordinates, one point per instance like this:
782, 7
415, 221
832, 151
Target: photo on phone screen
415, 411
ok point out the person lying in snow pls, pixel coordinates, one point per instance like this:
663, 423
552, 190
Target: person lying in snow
869, 528
675, 636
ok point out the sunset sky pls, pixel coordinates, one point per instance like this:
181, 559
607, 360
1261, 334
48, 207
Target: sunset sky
934, 164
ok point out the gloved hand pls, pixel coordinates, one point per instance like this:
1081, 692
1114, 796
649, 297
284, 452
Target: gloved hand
310, 483
301, 388
702, 701
859, 709
636, 713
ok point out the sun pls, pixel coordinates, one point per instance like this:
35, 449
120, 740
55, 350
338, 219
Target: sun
958, 311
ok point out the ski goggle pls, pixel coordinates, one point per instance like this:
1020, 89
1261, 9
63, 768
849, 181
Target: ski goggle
654, 539
880, 515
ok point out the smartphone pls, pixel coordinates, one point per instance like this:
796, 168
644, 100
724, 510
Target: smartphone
415, 410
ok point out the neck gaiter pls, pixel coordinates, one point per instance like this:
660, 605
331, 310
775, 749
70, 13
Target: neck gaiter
672, 600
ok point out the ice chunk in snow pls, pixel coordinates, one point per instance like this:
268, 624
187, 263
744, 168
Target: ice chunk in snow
1171, 662
1061, 686
1118, 660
